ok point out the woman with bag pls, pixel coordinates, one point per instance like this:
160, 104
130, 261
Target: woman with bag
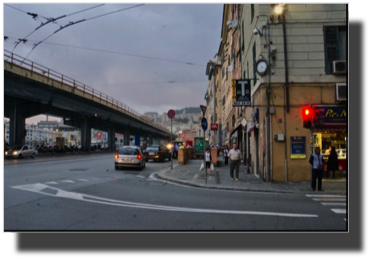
332, 162
208, 160
226, 155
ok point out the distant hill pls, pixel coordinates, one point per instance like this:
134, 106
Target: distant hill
191, 110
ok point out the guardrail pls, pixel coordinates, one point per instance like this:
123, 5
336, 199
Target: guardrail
51, 74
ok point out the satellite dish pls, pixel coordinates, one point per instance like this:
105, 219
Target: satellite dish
228, 22
230, 68
234, 23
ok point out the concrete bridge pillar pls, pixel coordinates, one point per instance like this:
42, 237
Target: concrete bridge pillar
126, 137
85, 136
16, 126
111, 138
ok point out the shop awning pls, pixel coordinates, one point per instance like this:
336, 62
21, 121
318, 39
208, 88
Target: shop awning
234, 132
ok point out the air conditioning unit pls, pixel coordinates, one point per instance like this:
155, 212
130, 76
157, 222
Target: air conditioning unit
339, 67
341, 92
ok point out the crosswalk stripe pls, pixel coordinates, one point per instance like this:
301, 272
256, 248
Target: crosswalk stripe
324, 195
334, 204
67, 181
339, 210
329, 199
51, 183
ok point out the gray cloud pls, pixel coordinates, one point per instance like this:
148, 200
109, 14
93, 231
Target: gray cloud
187, 33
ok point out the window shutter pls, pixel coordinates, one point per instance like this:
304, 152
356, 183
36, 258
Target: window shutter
254, 63
331, 46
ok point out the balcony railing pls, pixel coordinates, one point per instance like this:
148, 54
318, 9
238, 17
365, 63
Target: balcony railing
18, 60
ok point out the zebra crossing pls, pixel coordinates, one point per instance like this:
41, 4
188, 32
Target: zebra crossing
336, 203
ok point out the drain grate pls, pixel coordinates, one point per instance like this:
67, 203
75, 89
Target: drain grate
78, 169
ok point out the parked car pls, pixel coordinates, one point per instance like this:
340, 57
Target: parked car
129, 156
155, 153
21, 152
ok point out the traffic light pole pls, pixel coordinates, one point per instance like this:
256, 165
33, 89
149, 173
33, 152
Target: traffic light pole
171, 141
311, 151
204, 152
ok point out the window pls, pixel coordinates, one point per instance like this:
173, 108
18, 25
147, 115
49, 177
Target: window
252, 12
247, 70
242, 37
335, 39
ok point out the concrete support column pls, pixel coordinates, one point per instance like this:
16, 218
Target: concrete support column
137, 139
85, 136
16, 126
126, 137
111, 137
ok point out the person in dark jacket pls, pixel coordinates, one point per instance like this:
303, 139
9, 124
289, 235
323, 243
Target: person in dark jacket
332, 162
316, 160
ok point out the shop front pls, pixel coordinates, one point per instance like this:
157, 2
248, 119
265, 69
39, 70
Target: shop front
330, 131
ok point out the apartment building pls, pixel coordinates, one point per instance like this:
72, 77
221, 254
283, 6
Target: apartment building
294, 57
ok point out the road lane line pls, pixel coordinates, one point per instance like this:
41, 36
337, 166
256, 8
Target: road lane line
51, 183
94, 199
330, 199
334, 204
67, 181
339, 210
324, 195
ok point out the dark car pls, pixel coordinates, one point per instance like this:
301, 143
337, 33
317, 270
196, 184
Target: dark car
157, 153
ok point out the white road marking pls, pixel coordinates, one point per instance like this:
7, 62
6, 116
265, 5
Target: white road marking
325, 195
330, 199
334, 204
51, 183
140, 176
94, 199
67, 181
339, 210
84, 180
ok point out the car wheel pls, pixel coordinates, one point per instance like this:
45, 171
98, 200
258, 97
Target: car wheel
116, 167
20, 156
33, 155
144, 164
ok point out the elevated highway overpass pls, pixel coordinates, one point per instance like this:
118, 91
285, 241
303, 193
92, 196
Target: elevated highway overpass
31, 89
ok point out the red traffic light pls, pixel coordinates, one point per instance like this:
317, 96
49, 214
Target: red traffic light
307, 114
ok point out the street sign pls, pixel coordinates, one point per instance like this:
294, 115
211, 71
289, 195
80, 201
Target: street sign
171, 114
204, 123
241, 93
244, 122
214, 126
203, 108
209, 134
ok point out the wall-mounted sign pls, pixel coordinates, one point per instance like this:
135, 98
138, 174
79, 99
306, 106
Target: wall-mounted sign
241, 93
214, 126
298, 147
330, 116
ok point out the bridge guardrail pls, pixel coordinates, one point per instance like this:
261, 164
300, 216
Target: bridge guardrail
51, 74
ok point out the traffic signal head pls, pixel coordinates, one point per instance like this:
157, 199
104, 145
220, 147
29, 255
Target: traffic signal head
307, 114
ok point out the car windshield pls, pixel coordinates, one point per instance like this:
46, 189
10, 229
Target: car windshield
16, 147
129, 151
152, 149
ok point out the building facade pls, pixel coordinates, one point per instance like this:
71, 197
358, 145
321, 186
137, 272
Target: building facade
294, 57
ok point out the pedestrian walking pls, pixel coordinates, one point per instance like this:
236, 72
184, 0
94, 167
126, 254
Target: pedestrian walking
234, 156
208, 160
332, 162
225, 155
316, 160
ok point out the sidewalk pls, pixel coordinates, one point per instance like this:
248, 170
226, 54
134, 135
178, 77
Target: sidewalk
189, 174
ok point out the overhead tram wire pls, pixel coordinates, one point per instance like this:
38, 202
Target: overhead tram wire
80, 21
49, 20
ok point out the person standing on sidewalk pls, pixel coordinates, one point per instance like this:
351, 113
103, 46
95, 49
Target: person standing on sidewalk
226, 155
235, 159
208, 160
332, 162
316, 160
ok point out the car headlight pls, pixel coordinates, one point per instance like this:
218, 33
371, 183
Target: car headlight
6, 152
15, 153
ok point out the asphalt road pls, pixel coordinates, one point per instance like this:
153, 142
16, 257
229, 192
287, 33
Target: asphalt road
86, 193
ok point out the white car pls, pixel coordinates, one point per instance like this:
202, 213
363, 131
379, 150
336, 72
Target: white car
21, 152
129, 156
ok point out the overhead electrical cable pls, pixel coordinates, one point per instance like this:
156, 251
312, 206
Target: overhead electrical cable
119, 53
148, 83
80, 21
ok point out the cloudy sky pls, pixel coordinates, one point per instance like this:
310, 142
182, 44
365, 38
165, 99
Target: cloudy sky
130, 55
